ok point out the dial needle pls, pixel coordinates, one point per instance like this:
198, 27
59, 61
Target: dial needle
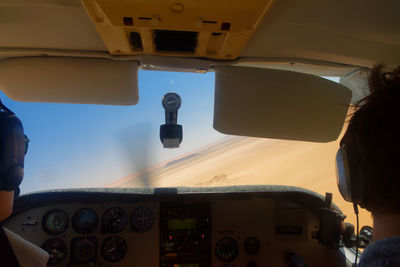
111, 250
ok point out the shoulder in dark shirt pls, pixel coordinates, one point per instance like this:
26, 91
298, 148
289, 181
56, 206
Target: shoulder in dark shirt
385, 252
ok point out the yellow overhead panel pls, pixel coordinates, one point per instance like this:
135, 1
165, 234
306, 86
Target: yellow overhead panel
208, 28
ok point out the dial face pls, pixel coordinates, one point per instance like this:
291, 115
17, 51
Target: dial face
57, 250
114, 220
171, 102
85, 221
55, 221
113, 248
226, 249
252, 245
142, 219
83, 250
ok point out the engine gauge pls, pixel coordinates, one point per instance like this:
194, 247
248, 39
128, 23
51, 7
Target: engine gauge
113, 248
226, 249
55, 222
57, 250
142, 219
171, 102
85, 221
83, 250
114, 220
252, 245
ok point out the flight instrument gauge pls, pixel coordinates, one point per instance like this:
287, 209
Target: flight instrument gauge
85, 221
55, 222
226, 249
171, 102
57, 250
113, 248
142, 219
114, 220
252, 245
83, 250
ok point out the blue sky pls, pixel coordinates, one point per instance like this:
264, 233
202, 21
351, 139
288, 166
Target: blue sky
75, 145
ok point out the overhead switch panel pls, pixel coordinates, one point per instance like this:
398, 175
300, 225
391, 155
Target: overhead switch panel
207, 29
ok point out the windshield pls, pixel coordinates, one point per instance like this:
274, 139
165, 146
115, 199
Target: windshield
75, 146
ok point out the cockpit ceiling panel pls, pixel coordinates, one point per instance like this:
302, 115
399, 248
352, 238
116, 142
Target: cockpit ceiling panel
360, 33
208, 28
38, 24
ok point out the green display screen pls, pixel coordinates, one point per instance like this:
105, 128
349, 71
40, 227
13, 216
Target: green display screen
187, 224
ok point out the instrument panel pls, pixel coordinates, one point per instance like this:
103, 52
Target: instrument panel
221, 232
92, 234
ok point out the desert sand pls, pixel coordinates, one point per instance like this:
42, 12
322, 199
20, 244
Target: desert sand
253, 161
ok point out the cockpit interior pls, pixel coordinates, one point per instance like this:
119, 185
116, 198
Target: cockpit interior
270, 59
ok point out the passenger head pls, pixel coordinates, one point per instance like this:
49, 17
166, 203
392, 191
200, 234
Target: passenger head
13, 147
374, 135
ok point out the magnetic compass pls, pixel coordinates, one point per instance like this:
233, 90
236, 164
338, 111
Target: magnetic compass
171, 102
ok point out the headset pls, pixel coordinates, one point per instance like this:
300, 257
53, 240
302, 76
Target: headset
343, 176
13, 147
349, 183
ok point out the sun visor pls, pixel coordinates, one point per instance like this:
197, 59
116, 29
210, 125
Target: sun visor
278, 104
70, 80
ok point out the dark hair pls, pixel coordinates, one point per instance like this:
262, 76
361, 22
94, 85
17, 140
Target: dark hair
374, 132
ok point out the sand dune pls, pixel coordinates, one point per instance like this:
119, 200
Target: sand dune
253, 161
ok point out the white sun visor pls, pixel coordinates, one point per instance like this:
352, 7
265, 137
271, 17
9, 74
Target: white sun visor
70, 80
278, 104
